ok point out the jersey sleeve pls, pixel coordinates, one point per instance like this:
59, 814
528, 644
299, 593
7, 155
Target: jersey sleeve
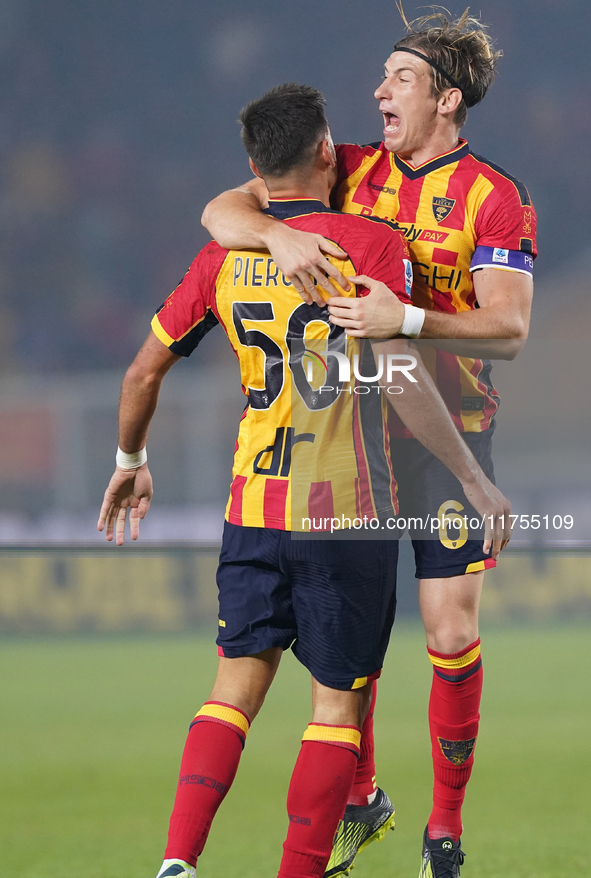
387, 259
189, 312
506, 230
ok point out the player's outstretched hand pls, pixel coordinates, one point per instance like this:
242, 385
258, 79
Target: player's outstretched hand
379, 314
301, 257
495, 510
128, 489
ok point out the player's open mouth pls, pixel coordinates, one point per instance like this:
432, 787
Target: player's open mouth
391, 122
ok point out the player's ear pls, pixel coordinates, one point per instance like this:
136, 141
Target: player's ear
254, 169
327, 152
449, 101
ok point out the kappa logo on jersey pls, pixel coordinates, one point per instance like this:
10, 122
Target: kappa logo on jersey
442, 207
387, 189
408, 276
500, 255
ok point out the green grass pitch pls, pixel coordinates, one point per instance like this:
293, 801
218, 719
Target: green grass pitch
93, 728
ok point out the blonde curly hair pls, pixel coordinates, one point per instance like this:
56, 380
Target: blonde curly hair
460, 46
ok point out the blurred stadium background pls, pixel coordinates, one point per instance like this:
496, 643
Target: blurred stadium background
117, 124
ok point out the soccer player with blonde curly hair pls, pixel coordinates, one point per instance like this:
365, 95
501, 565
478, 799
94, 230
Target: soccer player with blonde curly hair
470, 227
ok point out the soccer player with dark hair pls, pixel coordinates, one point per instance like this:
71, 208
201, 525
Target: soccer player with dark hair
470, 228
329, 601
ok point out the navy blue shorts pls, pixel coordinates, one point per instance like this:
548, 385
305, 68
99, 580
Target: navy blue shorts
427, 488
333, 602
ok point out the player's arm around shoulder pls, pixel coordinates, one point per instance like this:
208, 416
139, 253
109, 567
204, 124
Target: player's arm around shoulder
385, 271
235, 220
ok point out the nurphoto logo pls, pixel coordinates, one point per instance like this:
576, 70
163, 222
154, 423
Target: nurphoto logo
404, 363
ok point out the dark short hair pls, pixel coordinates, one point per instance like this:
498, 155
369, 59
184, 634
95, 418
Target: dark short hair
280, 130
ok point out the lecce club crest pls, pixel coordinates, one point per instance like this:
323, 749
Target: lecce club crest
457, 751
442, 207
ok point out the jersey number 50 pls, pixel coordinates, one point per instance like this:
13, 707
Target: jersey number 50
274, 357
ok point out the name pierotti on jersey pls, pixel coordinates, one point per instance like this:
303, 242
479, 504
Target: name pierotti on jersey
257, 271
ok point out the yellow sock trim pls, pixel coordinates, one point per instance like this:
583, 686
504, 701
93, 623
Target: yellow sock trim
460, 662
328, 734
225, 714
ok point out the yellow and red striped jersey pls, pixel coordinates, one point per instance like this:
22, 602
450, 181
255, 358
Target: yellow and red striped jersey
459, 213
301, 451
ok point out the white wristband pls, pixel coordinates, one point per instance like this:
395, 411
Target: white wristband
413, 321
131, 461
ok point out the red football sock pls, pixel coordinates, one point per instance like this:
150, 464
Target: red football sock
453, 721
364, 785
317, 797
208, 767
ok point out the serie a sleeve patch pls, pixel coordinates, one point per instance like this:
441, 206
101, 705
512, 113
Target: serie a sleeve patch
507, 260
